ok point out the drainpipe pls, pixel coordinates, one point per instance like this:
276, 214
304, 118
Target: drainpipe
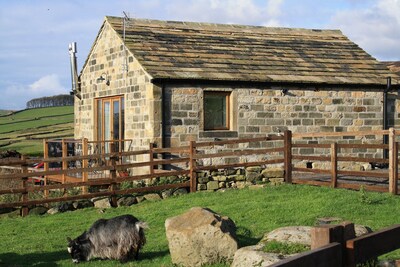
385, 115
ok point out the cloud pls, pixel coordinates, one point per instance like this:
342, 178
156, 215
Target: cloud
375, 28
226, 11
15, 96
274, 8
47, 84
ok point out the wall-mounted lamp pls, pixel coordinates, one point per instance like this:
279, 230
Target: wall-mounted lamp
103, 77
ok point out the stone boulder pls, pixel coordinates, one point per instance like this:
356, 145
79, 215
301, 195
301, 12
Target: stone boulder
126, 201
199, 237
152, 197
290, 234
53, 211
102, 203
254, 256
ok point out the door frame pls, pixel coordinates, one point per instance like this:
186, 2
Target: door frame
99, 134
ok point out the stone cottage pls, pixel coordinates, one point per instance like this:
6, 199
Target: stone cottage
173, 82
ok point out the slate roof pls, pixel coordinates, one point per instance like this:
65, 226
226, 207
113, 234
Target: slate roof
394, 66
204, 51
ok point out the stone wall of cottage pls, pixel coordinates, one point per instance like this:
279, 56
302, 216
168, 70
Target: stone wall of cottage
261, 111
142, 99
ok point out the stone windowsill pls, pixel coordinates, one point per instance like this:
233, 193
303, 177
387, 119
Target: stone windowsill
218, 134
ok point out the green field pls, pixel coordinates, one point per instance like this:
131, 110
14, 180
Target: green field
41, 240
25, 130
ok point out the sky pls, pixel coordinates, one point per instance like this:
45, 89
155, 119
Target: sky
34, 34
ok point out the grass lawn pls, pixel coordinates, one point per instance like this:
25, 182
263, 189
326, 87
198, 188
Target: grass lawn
41, 241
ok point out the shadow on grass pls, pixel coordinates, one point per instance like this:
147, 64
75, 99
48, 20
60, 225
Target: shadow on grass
33, 259
245, 238
150, 255
51, 258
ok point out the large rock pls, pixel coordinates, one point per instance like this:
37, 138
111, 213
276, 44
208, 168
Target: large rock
199, 237
254, 256
302, 234
290, 234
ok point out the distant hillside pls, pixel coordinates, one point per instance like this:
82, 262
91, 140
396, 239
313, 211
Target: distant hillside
25, 130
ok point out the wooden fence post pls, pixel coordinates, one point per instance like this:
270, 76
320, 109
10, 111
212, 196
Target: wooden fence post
85, 164
64, 162
325, 234
45, 165
25, 197
334, 165
288, 156
192, 166
113, 176
151, 158
393, 161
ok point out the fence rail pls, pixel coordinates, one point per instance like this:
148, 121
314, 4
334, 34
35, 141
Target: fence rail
117, 165
333, 159
338, 247
186, 161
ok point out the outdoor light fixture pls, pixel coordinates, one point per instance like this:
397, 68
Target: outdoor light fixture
103, 77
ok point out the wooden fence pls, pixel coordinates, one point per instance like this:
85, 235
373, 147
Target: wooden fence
389, 174
336, 247
186, 159
121, 166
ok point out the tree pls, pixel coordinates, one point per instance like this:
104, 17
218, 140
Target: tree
51, 101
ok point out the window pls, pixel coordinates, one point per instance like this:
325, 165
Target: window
216, 110
110, 118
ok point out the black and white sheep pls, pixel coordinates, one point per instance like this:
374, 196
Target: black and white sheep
118, 238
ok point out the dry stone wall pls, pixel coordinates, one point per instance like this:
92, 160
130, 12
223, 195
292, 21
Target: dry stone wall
238, 178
